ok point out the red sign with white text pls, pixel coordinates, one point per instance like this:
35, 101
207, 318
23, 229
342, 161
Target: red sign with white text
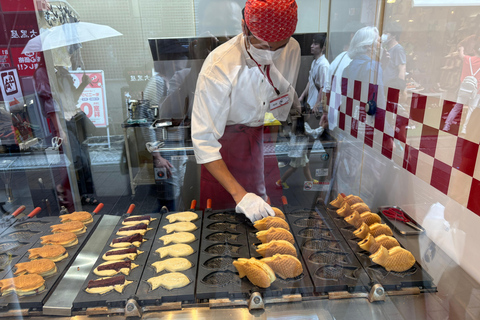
93, 99
5, 61
25, 63
20, 27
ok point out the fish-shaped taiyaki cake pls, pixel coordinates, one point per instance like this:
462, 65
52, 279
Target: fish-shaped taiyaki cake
345, 210
268, 222
356, 219
285, 266
104, 285
372, 244
172, 265
140, 228
185, 216
273, 233
361, 207
338, 202
396, 259
180, 227
377, 229
178, 237
276, 246
169, 281
352, 199
120, 254
133, 220
111, 268
175, 250
127, 241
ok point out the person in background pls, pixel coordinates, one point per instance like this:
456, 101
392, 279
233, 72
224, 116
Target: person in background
471, 67
394, 60
251, 74
333, 85
298, 148
317, 76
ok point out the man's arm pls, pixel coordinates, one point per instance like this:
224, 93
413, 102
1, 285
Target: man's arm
219, 171
402, 69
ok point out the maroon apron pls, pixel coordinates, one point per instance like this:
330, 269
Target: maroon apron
242, 151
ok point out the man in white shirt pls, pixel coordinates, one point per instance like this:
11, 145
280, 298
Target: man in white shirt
251, 74
317, 77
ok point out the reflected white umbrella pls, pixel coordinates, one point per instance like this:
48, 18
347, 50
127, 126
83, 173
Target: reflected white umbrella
68, 34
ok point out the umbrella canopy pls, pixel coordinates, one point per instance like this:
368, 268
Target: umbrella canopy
68, 34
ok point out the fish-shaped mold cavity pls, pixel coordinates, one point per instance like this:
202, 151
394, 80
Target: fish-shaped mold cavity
316, 244
223, 249
304, 213
335, 272
309, 222
222, 226
328, 257
10, 246
20, 235
315, 233
221, 278
221, 263
226, 216
223, 236
5, 260
30, 224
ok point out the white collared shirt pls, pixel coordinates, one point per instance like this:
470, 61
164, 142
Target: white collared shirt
317, 78
231, 90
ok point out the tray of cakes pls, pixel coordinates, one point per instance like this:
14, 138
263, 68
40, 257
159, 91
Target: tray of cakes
372, 240
329, 260
47, 247
116, 274
170, 269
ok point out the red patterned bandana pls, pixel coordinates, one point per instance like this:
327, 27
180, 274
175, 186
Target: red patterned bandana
271, 20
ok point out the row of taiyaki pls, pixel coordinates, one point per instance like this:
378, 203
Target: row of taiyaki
119, 262
377, 238
29, 276
179, 232
278, 252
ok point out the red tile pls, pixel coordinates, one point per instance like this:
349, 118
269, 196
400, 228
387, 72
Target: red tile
380, 119
474, 200
392, 99
357, 90
354, 128
349, 106
440, 176
344, 86
465, 156
387, 146
446, 110
417, 110
341, 121
410, 159
428, 141
401, 128
363, 113
369, 135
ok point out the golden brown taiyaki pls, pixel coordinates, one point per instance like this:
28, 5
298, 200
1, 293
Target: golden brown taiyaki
356, 219
372, 244
396, 259
338, 202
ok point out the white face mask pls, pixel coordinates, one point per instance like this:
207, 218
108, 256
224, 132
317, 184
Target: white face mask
385, 39
264, 56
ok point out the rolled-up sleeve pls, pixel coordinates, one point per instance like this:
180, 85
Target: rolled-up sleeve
209, 117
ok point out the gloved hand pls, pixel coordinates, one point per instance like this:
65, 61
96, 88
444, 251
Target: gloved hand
254, 207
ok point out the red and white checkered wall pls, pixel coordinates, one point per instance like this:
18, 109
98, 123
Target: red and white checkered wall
411, 135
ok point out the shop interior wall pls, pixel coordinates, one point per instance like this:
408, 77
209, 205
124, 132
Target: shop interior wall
140, 20
412, 162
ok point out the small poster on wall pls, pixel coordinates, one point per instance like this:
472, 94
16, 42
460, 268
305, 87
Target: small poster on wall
93, 99
11, 89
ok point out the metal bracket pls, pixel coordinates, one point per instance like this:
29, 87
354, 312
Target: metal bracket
132, 309
256, 301
377, 293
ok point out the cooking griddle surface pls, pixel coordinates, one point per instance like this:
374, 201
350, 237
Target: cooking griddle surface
414, 277
224, 239
36, 301
144, 294
114, 299
330, 261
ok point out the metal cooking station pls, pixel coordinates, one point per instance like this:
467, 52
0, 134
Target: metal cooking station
335, 270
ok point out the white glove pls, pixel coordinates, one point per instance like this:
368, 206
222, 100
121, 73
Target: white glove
254, 207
